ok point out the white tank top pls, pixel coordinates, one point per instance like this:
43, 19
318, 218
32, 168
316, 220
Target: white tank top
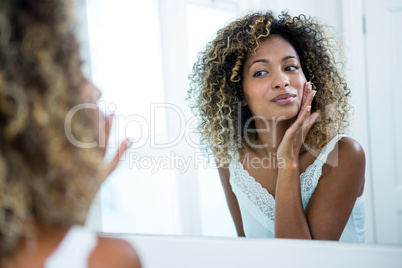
257, 205
74, 250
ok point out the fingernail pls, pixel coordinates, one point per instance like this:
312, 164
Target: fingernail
109, 115
129, 141
314, 93
308, 108
310, 87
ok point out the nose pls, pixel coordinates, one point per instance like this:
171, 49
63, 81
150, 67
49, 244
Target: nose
281, 80
91, 92
97, 94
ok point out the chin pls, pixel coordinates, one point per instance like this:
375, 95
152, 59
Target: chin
288, 113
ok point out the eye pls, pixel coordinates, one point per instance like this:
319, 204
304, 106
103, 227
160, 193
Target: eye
259, 73
292, 68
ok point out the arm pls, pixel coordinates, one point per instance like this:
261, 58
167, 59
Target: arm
231, 199
332, 201
290, 219
112, 252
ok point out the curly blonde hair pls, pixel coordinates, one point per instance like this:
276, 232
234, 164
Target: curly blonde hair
216, 88
43, 176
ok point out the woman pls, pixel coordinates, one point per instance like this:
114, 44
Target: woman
47, 182
273, 108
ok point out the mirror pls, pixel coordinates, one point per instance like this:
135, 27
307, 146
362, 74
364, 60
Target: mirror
140, 54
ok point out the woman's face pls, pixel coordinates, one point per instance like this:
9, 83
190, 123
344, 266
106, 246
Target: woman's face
90, 95
273, 80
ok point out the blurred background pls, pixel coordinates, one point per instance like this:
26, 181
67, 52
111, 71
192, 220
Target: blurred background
140, 53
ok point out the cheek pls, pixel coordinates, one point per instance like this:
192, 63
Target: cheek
247, 94
253, 90
253, 99
300, 86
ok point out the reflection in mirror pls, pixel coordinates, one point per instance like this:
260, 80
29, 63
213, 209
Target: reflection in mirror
155, 164
258, 89
127, 65
141, 56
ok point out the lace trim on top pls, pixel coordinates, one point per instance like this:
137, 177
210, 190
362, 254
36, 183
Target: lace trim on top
309, 178
258, 201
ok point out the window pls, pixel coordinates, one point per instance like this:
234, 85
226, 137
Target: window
126, 64
141, 53
214, 215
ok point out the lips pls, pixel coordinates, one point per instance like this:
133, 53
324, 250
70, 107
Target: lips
284, 98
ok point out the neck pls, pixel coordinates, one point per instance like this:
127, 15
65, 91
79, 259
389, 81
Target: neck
270, 135
37, 244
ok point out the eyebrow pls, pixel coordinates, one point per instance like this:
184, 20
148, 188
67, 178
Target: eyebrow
267, 61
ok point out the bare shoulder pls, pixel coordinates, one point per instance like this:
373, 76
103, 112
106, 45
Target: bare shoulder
350, 149
112, 252
347, 163
347, 152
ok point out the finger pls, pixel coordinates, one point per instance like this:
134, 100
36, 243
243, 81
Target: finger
309, 99
298, 124
306, 90
115, 161
308, 123
108, 127
305, 107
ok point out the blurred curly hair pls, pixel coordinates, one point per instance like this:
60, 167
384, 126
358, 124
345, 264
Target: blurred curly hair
43, 176
216, 84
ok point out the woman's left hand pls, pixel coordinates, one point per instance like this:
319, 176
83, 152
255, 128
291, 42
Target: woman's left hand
294, 137
90, 95
111, 166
